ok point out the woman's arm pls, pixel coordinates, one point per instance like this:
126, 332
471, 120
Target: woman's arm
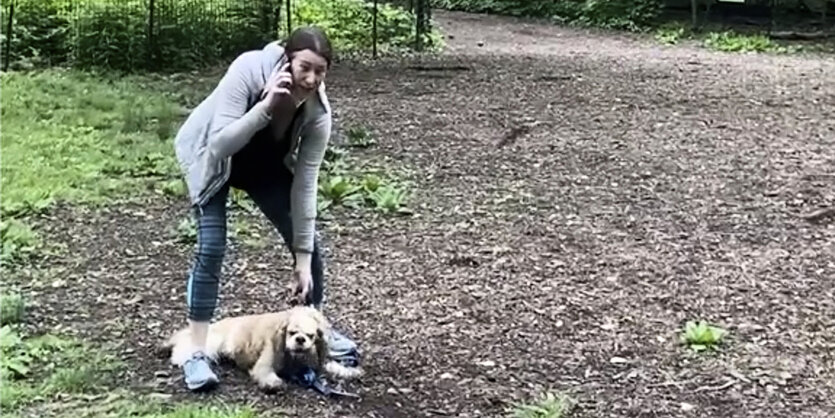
232, 126
305, 184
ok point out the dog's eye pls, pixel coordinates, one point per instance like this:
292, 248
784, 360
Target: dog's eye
292, 333
309, 336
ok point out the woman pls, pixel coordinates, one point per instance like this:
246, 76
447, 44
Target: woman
263, 129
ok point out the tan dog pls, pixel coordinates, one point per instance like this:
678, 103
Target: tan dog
264, 343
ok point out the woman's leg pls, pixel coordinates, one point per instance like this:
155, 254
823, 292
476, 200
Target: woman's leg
273, 198
274, 201
203, 284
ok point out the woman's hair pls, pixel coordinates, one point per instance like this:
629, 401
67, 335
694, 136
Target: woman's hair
309, 37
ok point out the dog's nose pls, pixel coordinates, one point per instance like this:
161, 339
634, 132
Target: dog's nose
300, 339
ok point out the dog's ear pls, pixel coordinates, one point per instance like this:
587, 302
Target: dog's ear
279, 343
322, 349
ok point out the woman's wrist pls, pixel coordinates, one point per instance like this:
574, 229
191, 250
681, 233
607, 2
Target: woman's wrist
303, 261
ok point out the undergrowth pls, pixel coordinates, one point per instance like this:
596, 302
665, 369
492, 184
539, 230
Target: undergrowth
43, 367
633, 15
344, 183
729, 41
189, 35
719, 39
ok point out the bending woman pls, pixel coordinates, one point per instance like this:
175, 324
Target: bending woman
263, 129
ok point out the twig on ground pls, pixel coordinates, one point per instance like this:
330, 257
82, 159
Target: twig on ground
679, 385
716, 388
819, 214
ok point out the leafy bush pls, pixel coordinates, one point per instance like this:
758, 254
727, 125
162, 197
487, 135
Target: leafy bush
112, 34
41, 31
615, 14
349, 24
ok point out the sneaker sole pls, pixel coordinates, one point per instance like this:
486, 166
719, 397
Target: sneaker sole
203, 387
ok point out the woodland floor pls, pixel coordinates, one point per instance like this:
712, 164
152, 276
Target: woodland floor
578, 197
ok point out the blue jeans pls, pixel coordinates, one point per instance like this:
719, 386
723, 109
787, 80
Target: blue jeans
273, 199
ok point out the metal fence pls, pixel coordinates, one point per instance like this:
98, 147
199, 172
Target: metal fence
169, 34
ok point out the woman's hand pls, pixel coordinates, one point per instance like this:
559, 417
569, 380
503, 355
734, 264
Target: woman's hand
304, 283
303, 277
278, 87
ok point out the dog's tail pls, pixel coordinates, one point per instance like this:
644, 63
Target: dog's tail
340, 371
174, 346
164, 347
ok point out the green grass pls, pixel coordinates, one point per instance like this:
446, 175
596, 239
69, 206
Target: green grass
48, 375
18, 240
119, 406
70, 136
12, 307
39, 368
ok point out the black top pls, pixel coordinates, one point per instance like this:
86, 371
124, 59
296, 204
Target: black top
262, 158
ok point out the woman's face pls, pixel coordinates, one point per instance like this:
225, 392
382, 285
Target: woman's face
309, 70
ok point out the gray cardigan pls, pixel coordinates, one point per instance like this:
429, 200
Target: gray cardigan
227, 119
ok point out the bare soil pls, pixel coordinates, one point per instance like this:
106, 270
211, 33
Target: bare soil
579, 196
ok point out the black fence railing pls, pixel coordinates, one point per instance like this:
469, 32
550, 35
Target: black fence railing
177, 34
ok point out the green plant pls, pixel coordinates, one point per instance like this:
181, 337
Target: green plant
175, 188
245, 231
728, 41
19, 241
358, 136
338, 189
371, 182
546, 406
15, 360
390, 199
700, 336
670, 34
241, 200
186, 231
12, 308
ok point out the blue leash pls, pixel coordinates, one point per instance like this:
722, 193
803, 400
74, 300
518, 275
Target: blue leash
308, 378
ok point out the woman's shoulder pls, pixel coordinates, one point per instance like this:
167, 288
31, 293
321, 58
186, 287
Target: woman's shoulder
324, 103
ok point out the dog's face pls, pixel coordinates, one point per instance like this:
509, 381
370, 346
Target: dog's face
304, 334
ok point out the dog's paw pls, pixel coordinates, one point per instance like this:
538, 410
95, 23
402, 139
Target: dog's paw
340, 372
270, 383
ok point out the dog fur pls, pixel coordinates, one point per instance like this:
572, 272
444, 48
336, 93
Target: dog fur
265, 343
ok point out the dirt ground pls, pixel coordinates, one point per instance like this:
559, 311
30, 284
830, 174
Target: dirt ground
579, 196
